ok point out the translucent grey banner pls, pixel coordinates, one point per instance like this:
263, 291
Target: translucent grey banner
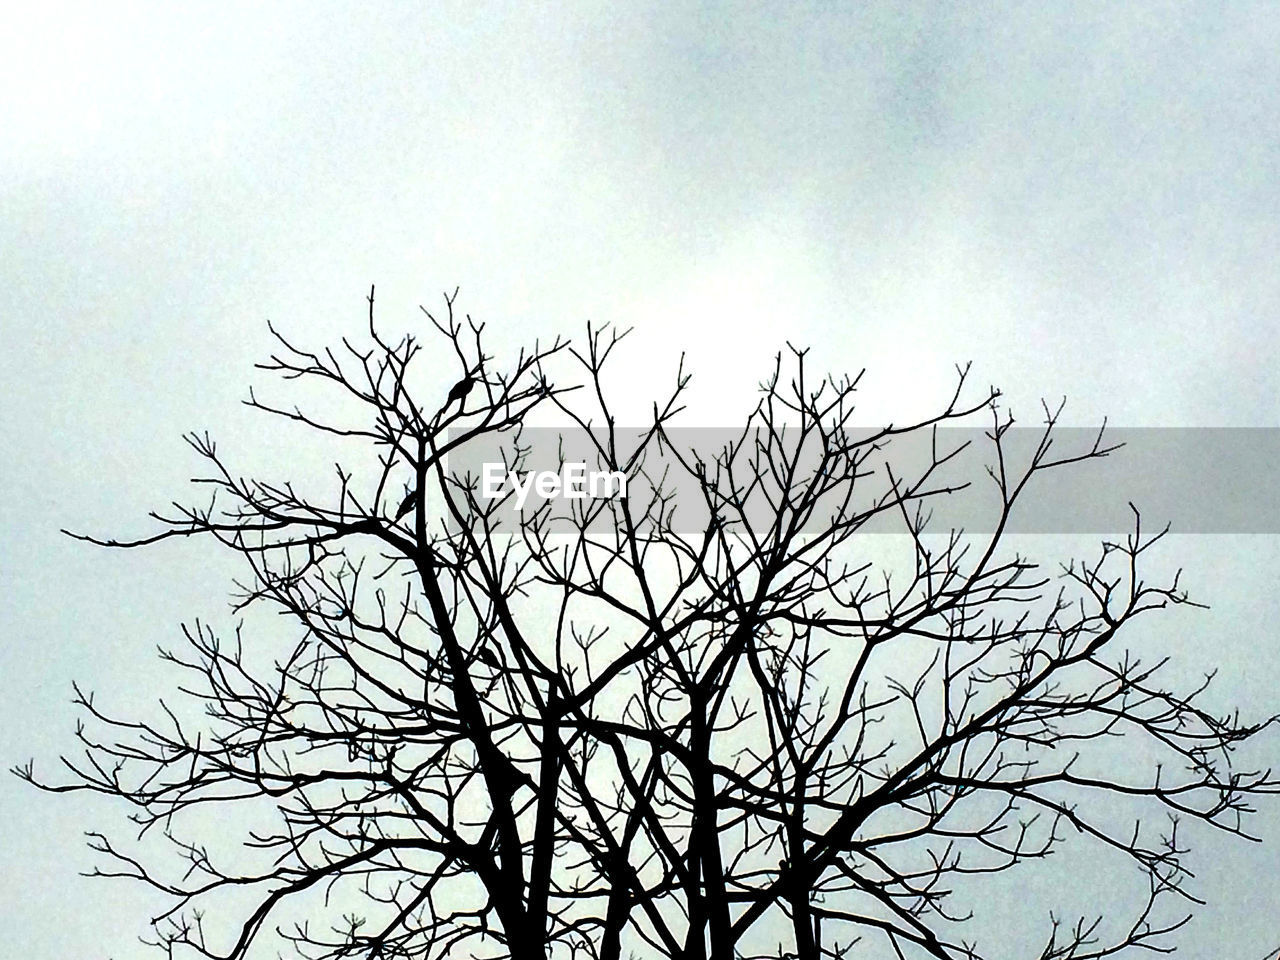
1196, 480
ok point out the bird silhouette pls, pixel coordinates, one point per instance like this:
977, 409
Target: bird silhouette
408, 505
460, 390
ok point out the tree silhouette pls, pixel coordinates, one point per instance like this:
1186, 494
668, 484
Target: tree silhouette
599, 731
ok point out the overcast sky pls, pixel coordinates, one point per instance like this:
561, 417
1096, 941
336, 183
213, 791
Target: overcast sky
1081, 200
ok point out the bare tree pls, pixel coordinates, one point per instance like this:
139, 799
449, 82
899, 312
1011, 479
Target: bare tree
593, 729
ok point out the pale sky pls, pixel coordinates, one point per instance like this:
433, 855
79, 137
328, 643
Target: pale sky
1081, 200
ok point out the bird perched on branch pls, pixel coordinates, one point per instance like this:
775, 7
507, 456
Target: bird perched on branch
460, 390
408, 505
